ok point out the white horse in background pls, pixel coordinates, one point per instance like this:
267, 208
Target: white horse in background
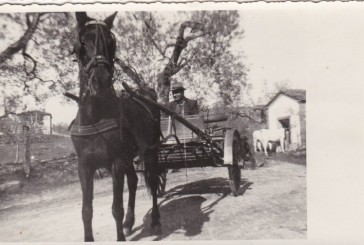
257, 140
264, 138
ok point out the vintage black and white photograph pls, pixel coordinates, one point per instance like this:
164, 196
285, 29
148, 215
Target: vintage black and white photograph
163, 122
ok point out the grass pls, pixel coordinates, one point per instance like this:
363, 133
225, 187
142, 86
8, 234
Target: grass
295, 157
51, 147
54, 163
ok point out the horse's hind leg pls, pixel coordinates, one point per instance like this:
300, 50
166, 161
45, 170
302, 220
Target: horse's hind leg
151, 162
132, 180
87, 184
118, 173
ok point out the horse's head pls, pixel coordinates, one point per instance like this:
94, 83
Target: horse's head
95, 49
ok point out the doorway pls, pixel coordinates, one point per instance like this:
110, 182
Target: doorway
285, 123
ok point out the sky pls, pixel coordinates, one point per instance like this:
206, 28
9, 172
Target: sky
304, 45
308, 45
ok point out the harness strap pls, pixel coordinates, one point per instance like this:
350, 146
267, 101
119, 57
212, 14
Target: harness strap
144, 106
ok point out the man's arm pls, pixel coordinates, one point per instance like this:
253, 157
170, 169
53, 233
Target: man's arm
169, 105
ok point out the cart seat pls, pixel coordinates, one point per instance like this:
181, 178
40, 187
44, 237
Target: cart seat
184, 134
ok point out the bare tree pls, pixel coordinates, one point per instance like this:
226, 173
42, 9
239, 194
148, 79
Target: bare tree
184, 50
152, 51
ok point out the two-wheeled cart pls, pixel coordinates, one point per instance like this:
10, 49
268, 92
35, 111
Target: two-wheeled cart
197, 141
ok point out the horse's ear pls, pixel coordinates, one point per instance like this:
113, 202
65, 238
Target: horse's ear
82, 18
109, 20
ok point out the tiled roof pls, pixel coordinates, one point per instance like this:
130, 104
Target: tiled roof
296, 94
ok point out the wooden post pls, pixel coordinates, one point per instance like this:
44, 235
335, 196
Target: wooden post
26, 162
16, 132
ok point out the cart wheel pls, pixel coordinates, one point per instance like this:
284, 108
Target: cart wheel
234, 170
162, 182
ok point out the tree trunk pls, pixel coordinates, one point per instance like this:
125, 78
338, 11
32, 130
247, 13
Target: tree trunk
163, 87
17, 144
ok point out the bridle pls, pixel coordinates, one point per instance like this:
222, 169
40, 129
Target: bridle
96, 58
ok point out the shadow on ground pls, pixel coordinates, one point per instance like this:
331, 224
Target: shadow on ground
182, 209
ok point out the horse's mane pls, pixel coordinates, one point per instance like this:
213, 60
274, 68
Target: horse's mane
145, 91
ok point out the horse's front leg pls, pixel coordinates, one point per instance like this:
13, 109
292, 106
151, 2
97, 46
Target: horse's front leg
118, 172
87, 185
132, 180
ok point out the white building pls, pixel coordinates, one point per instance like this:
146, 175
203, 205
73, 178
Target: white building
287, 109
40, 121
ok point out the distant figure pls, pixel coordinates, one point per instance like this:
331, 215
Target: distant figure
182, 105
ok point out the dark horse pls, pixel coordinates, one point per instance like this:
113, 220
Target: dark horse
108, 131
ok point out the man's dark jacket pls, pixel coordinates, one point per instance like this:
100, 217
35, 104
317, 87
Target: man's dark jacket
190, 106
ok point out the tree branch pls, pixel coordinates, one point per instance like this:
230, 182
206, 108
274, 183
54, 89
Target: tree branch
151, 39
243, 114
181, 44
29, 57
190, 38
26, 86
131, 73
23, 40
180, 66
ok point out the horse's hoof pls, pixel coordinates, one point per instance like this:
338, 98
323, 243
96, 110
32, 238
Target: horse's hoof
157, 229
122, 239
127, 231
89, 239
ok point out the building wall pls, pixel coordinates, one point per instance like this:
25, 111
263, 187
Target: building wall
285, 107
40, 122
47, 124
303, 123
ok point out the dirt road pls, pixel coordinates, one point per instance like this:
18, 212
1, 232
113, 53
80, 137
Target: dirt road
197, 206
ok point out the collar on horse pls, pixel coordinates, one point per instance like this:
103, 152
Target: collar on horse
97, 128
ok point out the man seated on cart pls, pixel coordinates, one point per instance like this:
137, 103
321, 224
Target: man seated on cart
182, 105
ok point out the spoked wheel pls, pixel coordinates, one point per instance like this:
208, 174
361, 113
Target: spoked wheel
162, 182
234, 169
